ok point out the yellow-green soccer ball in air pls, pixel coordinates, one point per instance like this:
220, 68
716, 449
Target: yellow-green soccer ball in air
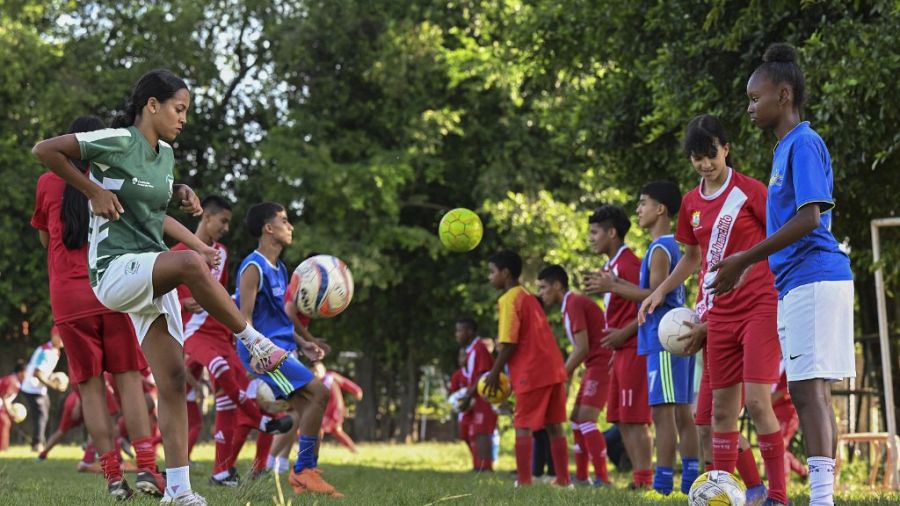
460, 230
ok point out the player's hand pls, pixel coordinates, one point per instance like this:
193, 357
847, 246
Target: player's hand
191, 305
312, 351
465, 403
359, 397
211, 256
321, 342
105, 204
187, 199
649, 305
613, 339
697, 338
728, 274
599, 282
492, 383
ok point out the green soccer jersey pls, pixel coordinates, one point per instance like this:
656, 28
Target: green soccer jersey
123, 162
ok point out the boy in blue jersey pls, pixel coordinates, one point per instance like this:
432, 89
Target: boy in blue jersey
812, 274
669, 377
262, 282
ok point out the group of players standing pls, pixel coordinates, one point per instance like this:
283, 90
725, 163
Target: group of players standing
124, 303
728, 226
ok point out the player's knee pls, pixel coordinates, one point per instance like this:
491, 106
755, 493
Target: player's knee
192, 266
318, 392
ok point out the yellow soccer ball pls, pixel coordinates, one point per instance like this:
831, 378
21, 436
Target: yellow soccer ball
717, 488
460, 230
500, 395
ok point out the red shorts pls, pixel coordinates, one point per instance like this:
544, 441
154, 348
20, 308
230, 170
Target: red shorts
69, 419
481, 419
540, 407
98, 343
743, 351
594, 387
217, 355
628, 401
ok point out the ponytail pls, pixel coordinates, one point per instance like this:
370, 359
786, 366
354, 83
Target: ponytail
127, 117
74, 209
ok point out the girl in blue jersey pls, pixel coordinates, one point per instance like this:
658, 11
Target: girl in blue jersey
812, 274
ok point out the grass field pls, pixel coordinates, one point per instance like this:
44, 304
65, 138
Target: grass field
381, 475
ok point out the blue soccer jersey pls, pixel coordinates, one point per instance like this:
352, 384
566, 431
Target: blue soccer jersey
801, 175
269, 317
648, 338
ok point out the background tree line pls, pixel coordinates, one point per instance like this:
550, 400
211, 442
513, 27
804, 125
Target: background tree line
370, 118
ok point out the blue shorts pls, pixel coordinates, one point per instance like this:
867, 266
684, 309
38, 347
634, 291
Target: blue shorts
670, 378
290, 377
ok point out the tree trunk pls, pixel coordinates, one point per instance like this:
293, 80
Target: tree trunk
409, 396
367, 409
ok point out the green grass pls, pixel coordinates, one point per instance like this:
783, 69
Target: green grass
381, 475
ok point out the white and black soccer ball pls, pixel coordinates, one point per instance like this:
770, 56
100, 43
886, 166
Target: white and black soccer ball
324, 286
672, 326
717, 488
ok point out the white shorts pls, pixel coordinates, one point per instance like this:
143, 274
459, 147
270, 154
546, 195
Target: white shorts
815, 326
127, 287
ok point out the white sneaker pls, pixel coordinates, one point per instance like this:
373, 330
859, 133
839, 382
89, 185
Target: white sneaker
265, 356
189, 498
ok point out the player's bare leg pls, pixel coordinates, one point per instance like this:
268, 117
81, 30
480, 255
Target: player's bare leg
173, 268
639, 446
310, 401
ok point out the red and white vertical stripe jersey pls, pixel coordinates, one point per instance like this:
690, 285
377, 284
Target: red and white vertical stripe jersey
478, 361
731, 220
202, 324
619, 310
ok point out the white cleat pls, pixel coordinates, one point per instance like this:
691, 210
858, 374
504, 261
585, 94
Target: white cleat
189, 498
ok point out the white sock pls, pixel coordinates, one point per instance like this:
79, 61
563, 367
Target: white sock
821, 481
248, 335
178, 481
270, 462
263, 421
282, 465
222, 475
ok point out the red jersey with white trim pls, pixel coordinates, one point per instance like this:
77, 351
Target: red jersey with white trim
337, 385
619, 310
457, 380
731, 220
71, 295
289, 298
9, 386
478, 361
582, 313
202, 324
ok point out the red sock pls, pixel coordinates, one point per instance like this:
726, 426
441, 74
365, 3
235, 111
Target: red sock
581, 455
145, 453
524, 449
109, 461
725, 450
596, 448
224, 377
771, 447
263, 445
746, 467
224, 435
642, 478
195, 424
237, 443
90, 454
559, 450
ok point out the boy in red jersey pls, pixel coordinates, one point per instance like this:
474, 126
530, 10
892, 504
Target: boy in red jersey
536, 371
585, 324
211, 344
9, 389
479, 414
73, 415
628, 392
789, 421
724, 214
333, 420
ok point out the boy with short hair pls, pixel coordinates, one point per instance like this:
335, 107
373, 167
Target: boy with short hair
479, 415
585, 326
670, 377
536, 370
627, 403
262, 282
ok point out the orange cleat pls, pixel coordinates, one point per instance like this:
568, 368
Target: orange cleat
310, 480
